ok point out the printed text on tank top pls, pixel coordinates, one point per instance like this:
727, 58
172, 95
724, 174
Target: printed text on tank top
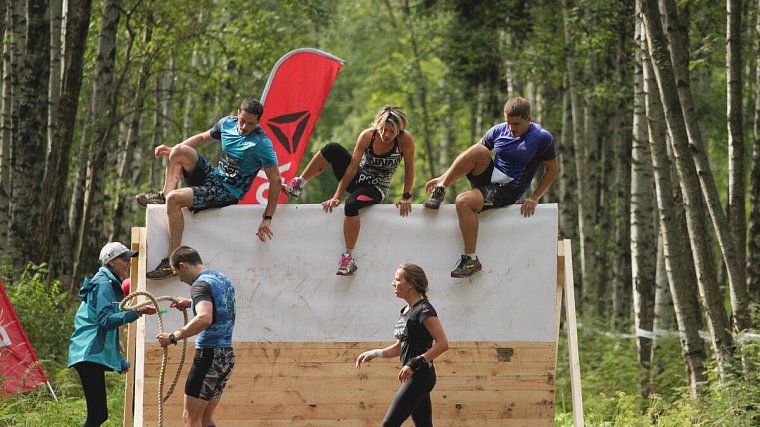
390, 147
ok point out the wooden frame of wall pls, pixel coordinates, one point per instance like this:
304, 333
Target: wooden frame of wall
316, 384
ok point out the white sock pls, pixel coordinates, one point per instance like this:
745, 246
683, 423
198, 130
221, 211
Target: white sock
472, 255
302, 180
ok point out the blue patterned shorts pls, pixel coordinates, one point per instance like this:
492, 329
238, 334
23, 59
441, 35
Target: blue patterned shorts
208, 190
211, 369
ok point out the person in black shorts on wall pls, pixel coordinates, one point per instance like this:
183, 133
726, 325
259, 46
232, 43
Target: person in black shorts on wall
520, 147
366, 174
420, 338
213, 302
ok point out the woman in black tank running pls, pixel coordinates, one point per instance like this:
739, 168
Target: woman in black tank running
366, 174
420, 338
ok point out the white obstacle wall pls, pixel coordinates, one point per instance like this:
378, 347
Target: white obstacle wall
287, 290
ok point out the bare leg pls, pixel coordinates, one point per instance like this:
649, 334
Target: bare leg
194, 410
175, 201
316, 166
474, 160
208, 415
182, 158
468, 205
351, 227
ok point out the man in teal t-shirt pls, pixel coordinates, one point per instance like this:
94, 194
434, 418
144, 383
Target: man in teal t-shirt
246, 149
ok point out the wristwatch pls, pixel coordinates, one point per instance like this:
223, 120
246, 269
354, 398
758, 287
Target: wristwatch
265, 216
172, 339
406, 196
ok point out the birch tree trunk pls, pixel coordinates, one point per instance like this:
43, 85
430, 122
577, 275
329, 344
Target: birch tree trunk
693, 147
127, 151
679, 264
693, 205
90, 233
420, 83
568, 209
29, 145
585, 198
77, 27
753, 246
11, 46
643, 259
54, 86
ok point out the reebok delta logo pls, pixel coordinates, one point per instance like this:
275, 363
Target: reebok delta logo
280, 124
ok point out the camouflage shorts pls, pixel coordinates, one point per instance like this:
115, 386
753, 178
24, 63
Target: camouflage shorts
208, 190
208, 376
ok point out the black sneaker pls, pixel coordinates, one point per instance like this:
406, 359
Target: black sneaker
163, 271
467, 267
436, 197
146, 199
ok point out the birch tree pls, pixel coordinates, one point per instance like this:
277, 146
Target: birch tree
709, 290
643, 259
90, 231
29, 143
753, 246
679, 264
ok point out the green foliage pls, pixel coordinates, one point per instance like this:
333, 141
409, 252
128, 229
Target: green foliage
44, 311
47, 314
611, 397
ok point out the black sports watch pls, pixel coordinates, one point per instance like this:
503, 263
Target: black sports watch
172, 339
265, 216
406, 196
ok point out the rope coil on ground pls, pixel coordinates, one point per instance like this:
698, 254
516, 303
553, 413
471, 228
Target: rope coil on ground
152, 300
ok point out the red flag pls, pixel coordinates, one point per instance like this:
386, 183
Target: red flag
293, 98
19, 368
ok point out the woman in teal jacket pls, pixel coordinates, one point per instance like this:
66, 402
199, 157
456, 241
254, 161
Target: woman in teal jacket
94, 346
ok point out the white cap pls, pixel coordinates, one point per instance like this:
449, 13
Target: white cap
113, 250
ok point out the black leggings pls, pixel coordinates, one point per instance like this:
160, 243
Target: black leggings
413, 398
362, 195
93, 377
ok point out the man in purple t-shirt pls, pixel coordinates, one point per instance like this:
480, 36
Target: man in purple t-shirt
520, 146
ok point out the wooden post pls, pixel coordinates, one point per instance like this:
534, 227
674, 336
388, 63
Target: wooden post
129, 389
572, 334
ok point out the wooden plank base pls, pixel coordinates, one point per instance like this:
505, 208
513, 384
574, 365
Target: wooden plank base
316, 384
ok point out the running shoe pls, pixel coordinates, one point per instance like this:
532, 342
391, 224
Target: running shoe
293, 187
146, 199
347, 265
436, 197
163, 271
467, 267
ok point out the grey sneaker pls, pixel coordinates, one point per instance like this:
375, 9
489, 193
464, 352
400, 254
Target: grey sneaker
163, 271
347, 265
146, 199
436, 197
467, 267
293, 187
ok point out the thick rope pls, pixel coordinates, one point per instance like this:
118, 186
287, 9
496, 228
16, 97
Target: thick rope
154, 302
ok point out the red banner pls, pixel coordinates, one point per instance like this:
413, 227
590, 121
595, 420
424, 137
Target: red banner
19, 367
293, 99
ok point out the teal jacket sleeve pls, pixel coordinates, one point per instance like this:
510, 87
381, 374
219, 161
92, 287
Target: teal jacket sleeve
106, 306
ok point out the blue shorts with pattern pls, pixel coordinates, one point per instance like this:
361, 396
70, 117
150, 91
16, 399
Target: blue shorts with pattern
211, 369
208, 190
494, 195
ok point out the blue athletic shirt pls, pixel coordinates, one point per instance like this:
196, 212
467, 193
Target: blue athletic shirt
518, 158
242, 156
215, 287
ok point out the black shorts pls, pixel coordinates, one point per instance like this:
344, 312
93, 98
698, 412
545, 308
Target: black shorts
361, 194
211, 369
208, 190
494, 195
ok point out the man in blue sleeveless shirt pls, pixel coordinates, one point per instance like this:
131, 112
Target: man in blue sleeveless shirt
213, 302
520, 146
246, 149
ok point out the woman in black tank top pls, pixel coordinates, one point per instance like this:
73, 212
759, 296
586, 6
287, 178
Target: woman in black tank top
365, 175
